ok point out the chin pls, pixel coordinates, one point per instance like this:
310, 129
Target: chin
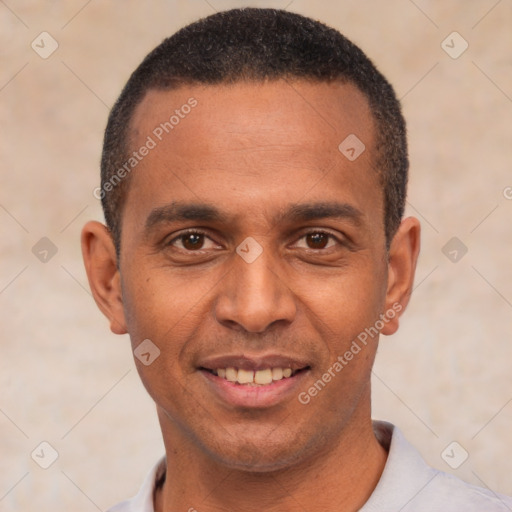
254, 460
263, 453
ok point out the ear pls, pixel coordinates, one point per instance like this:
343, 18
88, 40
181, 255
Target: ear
402, 258
100, 261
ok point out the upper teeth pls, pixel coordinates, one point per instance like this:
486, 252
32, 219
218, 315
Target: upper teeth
265, 376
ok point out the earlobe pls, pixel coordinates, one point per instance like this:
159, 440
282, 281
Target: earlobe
100, 261
403, 256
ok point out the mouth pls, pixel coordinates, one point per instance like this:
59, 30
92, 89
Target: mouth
262, 377
254, 382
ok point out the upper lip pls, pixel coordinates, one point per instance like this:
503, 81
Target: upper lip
252, 362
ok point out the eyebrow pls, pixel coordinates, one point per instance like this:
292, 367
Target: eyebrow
179, 211
322, 210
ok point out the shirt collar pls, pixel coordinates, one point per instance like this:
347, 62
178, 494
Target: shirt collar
405, 475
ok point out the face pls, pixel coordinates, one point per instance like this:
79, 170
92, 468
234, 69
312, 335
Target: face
253, 254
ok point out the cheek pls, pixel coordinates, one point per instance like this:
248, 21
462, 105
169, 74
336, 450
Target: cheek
160, 320
159, 303
167, 310
346, 302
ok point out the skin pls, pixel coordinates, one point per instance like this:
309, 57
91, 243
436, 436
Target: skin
252, 151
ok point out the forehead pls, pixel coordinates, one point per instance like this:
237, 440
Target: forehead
317, 113
253, 145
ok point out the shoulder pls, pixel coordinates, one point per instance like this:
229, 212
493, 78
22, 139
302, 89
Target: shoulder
449, 493
409, 484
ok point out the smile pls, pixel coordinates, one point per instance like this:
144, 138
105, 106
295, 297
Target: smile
261, 377
254, 381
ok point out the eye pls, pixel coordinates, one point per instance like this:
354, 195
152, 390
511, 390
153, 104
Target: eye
317, 240
192, 241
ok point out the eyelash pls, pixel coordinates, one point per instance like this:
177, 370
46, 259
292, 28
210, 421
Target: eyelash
199, 232
186, 233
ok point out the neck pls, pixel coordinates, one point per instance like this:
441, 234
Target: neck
341, 476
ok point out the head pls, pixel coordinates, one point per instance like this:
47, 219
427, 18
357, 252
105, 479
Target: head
256, 45
259, 230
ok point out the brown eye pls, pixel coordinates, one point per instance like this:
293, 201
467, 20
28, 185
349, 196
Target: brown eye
192, 241
317, 240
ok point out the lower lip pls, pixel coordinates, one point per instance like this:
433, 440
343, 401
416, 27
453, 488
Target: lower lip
260, 396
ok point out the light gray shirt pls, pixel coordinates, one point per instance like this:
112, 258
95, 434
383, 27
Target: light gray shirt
407, 484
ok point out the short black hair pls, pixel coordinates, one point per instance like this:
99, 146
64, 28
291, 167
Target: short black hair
255, 45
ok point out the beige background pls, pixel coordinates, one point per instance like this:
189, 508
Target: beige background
65, 379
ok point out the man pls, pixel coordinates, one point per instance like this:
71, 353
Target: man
254, 175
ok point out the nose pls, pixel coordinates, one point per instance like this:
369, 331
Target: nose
254, 296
